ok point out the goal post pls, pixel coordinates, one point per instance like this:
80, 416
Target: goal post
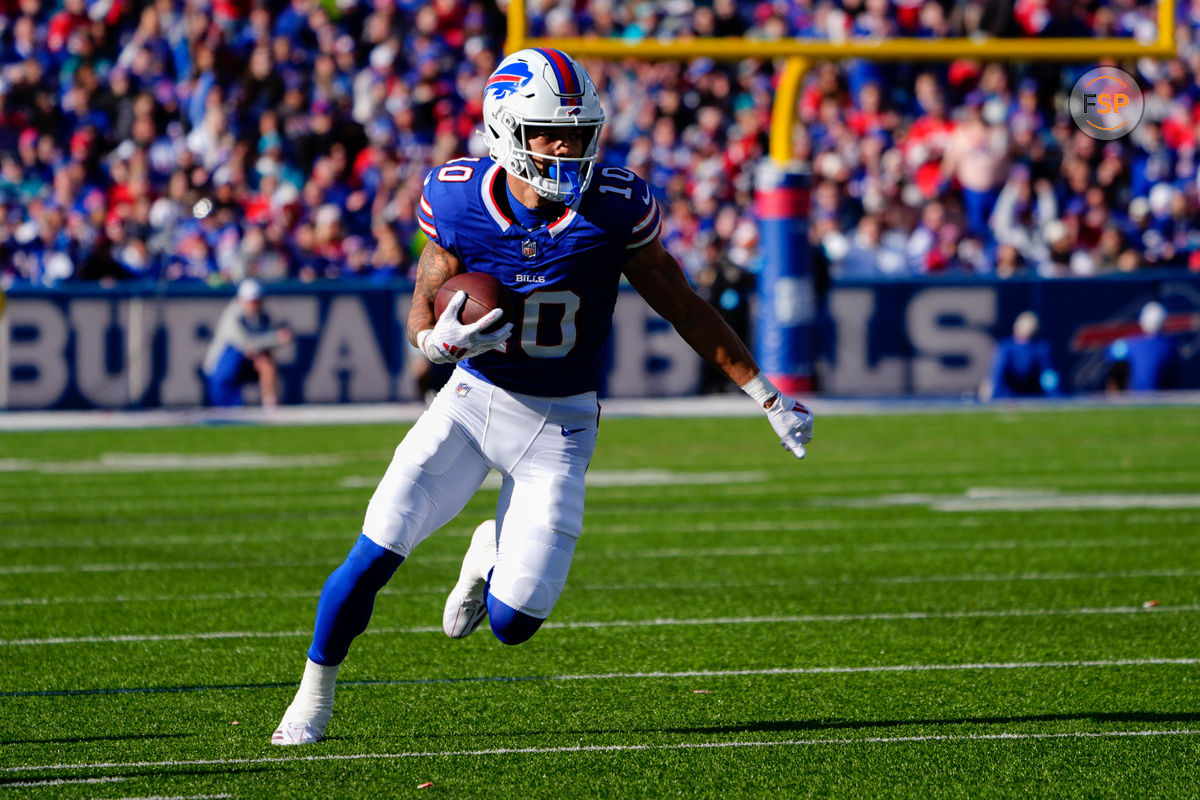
801, 52
786, 319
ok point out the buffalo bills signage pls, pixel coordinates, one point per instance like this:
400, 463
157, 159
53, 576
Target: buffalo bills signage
94, 348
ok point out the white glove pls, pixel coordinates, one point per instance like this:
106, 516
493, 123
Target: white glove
790, 419
793, 422
450, 341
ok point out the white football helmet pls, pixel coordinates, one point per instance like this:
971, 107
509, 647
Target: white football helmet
539, 88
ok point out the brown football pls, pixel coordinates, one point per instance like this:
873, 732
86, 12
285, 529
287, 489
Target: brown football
483, 294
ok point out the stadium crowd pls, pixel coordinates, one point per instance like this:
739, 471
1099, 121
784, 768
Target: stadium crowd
211, 140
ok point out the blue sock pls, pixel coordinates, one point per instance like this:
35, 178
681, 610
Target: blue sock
509, 625
348, 598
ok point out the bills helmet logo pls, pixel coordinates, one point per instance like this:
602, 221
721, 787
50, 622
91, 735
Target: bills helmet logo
509, 79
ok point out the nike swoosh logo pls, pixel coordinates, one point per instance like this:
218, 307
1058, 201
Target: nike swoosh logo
646, 199
569, 431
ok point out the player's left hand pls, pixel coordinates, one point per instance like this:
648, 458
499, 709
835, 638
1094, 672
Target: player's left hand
451, 341
793, 422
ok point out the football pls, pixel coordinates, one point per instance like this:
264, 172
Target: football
483, 294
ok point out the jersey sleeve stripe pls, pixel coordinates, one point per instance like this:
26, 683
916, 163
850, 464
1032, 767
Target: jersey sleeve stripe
647, 238
430, 231
651, 215
428, 209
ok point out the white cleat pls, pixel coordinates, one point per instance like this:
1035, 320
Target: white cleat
295, 733
466, 606
306, 718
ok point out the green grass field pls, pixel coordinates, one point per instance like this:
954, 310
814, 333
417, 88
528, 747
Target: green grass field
994, 604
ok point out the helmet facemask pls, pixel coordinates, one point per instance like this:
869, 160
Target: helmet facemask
561, 179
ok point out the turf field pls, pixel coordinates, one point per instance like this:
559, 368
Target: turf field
993, 604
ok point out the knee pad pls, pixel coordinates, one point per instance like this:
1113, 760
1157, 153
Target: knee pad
509, 625
531, 569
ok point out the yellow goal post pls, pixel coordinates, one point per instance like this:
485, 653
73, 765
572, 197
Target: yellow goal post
799, 53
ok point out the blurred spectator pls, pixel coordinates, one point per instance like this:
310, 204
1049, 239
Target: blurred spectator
975, 159
1148, 362
730, 290
866, 255
241, 350
1021, 366
120, 121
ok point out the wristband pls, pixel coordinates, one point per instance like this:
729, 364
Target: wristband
422, 337
760, 389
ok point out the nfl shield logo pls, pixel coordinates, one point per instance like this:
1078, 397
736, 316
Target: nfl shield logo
462, 390
529, 248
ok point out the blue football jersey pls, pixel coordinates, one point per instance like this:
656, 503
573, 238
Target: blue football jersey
567, 272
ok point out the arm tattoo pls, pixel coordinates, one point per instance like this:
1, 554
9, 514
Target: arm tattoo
435, 267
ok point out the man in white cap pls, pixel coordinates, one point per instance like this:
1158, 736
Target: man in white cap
1148, 362
241, 350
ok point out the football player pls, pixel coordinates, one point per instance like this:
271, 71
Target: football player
559, 229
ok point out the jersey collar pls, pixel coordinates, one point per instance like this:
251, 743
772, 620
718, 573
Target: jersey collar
504, 221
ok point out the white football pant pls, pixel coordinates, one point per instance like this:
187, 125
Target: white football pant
541, 446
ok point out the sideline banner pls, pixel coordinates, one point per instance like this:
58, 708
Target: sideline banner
936, 336
131, 348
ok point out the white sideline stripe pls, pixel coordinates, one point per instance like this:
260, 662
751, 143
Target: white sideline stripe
613, 748
637, 587
717, 406
898, 616
59, 782
674, 552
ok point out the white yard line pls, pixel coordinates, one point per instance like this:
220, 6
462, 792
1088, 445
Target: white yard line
109, 463
608, 676
625, 554
633, 587
157, 566
590, 531
735, 673
905, 616
58, 782
613, 748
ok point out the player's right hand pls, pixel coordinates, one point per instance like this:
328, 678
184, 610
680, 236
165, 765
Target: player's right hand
450, 341
793, 422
